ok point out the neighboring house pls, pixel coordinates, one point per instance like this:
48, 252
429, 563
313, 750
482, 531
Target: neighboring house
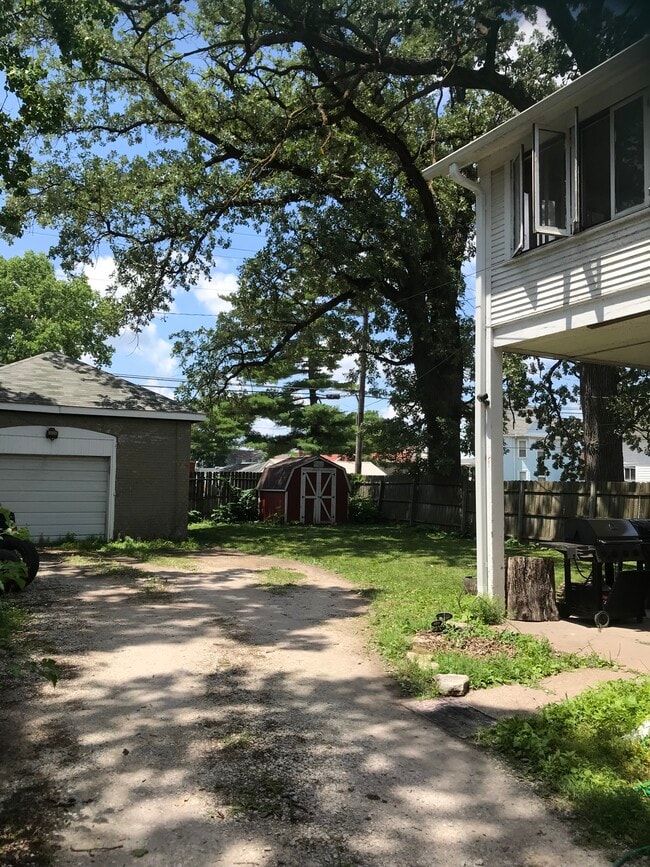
368, 468
563, 249
636, 465
85, 453
520, 453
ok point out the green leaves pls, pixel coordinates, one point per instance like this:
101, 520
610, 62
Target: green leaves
40, 313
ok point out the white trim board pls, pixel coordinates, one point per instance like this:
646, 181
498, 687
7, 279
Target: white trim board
54, 409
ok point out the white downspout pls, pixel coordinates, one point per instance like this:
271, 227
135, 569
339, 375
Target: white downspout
488, 425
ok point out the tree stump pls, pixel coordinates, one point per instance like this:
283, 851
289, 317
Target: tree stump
530, 588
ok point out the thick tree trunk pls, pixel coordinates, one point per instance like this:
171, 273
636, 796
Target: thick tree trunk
438, 363
530, 589
603, 446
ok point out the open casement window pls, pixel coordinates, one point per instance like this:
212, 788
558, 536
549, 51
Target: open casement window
517, 186
551, 206
524, 237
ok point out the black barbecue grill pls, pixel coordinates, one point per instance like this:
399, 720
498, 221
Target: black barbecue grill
609, 590
608, 540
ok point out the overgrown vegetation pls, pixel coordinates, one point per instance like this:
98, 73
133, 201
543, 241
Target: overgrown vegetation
363, 510
490, 658
243, 506
584, 752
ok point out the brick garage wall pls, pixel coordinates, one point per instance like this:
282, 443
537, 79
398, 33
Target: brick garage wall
152, 468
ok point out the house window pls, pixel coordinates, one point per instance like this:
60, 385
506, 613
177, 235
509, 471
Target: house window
522, 449
550, 187
523, 475
629, 474
559, 187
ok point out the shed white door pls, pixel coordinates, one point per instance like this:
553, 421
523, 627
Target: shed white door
53, 496
317, 496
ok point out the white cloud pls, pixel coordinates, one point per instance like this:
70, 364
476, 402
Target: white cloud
212, 292
147, 346
345, 367
267, 427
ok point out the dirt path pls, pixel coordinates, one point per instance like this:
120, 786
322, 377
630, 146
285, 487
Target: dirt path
218, 723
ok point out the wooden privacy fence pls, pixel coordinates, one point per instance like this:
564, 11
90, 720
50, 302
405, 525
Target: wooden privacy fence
419, 500
533, 510
210, 490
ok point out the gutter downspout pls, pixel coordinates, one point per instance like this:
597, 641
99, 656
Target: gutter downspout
488, 425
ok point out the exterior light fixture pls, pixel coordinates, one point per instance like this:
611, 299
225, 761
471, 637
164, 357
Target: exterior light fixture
52, 433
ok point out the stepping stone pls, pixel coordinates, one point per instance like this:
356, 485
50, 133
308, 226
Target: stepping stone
453, 716
452, 684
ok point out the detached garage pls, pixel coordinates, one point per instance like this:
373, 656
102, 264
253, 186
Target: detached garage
88, 454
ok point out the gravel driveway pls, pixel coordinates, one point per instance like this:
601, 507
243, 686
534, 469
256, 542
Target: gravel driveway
205, 719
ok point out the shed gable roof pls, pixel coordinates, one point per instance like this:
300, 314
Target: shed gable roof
276, 477
54, 382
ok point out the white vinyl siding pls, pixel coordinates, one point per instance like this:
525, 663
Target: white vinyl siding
593, 264
497, 222
55, 496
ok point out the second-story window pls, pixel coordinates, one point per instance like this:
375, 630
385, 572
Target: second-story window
576, 178
522, 448
611, 163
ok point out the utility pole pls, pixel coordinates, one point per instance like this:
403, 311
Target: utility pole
358, 447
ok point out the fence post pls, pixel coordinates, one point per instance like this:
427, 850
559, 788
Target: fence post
592, 499
521, 514
380, 498
414, 500
463, 506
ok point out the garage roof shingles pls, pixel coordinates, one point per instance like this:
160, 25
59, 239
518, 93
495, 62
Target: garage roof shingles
53, 379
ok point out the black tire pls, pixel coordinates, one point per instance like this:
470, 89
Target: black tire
28, 554
601, 619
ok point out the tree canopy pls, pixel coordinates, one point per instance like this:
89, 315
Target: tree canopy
200, 116
40, 313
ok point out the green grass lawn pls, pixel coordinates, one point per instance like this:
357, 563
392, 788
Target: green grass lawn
582, 752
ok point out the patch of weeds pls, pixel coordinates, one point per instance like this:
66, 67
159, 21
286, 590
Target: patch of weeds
489, 658
106, 568
582, 751
482, 609
279, 580
12, 618
261, 794
139, 549
170, 562
238, 741
153, 588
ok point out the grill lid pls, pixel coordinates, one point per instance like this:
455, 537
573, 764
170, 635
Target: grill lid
642, 526
599, 531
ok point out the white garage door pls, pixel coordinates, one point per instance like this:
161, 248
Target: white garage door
53, 496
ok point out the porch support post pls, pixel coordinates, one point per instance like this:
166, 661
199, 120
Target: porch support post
492, 571
488, 446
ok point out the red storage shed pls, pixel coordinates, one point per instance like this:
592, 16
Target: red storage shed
311, 490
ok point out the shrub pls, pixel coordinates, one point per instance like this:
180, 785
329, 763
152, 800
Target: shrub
243, 507
482, 609
363, 510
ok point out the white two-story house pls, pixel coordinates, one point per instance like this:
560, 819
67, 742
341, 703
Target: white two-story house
563, 249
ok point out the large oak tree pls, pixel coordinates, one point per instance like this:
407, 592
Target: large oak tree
230, 111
